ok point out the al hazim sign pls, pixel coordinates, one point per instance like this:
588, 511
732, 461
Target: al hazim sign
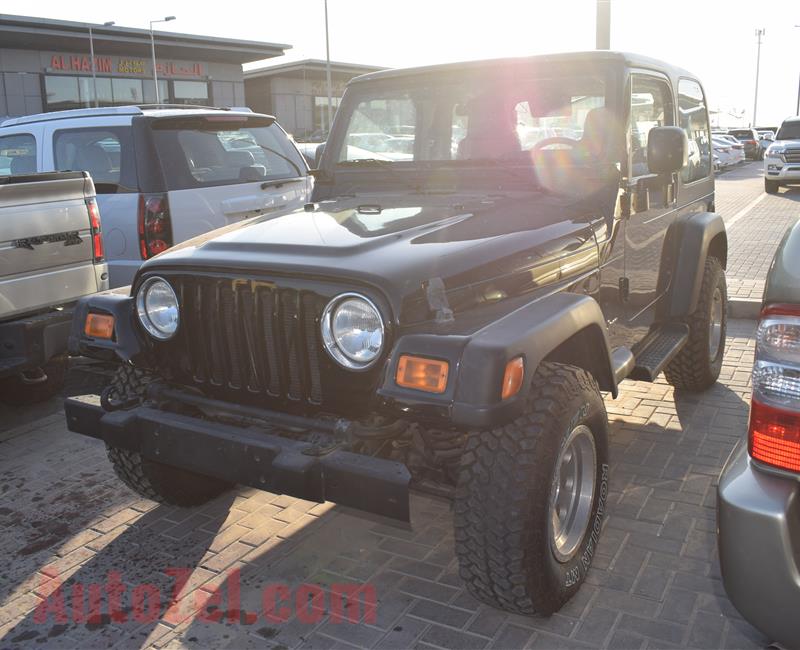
125, 66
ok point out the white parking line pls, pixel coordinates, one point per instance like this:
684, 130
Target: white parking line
730, 222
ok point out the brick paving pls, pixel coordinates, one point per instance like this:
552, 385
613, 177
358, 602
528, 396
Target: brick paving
654, 582
755, 235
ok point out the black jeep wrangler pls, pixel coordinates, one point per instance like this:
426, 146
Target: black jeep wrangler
489, 246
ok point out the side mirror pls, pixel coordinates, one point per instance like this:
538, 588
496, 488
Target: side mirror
667, 149
318, 154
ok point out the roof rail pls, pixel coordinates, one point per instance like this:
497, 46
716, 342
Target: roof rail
151, 107
77, 112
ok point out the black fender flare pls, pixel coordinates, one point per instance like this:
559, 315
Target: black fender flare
536, 332
562, 327
700, 233
128, 343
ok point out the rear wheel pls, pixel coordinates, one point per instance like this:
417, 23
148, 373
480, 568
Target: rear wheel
771, 187
157, 481
698, 364
531, 496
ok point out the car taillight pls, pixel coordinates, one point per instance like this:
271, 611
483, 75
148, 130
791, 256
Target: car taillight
774, 431
94, 224
155, 227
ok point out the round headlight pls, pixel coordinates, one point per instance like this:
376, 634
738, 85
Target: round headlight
352, 330
157, 306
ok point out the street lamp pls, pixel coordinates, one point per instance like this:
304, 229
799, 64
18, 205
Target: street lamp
759, 34
153, 49
797, 108
328, 70
94, 66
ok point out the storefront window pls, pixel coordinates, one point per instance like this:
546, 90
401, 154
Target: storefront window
150, 95
127, 91
62, 93
190, 92
104, 95
321, 112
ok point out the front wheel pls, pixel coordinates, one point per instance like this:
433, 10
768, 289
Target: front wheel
148, 478
697, 366
771, 187
531, 496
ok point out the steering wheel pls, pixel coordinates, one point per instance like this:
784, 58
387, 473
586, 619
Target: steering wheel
555, 140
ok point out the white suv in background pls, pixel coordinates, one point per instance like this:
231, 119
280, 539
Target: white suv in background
782, 158
166, 174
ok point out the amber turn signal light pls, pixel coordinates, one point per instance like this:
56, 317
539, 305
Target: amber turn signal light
512, 378
99, 326
420, 373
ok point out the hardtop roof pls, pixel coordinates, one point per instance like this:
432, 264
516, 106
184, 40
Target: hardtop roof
625, 58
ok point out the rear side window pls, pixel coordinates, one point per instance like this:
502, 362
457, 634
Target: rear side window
106, 153
17, 154
694, 120
223, 150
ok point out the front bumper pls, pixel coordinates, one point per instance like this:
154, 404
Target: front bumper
759, 546
31, 341
777, 170
252, 456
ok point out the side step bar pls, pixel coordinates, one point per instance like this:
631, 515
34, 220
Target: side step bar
659, 351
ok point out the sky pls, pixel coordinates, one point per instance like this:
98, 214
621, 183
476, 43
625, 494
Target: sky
714, 39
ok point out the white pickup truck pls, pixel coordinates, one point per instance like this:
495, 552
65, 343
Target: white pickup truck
51, 254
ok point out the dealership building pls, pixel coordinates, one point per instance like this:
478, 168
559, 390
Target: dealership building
45, 65
297, 93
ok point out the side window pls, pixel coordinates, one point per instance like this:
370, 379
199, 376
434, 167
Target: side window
651, 106
107, 154
693, 116
17, 154
381, 128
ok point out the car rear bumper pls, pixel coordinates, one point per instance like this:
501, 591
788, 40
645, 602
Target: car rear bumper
759, 546
253, 456
30, 342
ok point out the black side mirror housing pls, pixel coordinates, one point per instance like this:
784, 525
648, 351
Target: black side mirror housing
667, 149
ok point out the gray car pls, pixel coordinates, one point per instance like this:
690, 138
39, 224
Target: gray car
759, 488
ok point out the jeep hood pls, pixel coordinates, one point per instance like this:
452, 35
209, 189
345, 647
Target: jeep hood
479, 248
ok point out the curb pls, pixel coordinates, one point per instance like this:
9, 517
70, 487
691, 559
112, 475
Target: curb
739, 308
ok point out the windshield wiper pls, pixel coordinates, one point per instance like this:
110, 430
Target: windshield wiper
294, 165
281, 181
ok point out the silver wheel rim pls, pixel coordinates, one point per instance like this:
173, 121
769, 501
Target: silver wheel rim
572, 493
715, 325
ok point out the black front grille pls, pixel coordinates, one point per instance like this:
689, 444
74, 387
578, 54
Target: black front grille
248, 335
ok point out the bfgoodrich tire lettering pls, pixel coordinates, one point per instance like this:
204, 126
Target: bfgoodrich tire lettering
502, 505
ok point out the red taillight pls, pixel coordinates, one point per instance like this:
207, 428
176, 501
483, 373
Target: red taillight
774, 436
97, 235
774, 430
155, 228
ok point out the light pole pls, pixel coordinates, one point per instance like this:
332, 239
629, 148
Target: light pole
797, 108
759, 34
94, 65
328, 70
603, 26
153, 50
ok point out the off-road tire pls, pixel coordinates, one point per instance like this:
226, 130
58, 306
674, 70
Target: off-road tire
693, 369
156, 481
502, 502
18, 393
771, 187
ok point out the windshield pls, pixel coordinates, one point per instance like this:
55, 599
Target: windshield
789, 131
223, 150
462, 119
